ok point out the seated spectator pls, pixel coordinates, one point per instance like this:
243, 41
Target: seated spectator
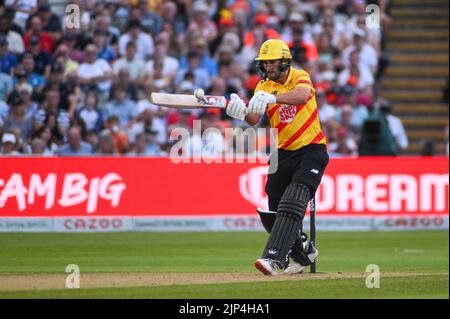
44, 133
42, 59
170, 65
356, 75
95, 73
120, 106
201, 26
343, 144
144, 42
51, 23
25, 92
18, 119
6, 86
326, 111
47, 42
8, 61
105, 52
38, 147
62, 57
74, 52
132, 63
7, 148
201, 78
106, 144
120, 138
89, 112
200, 49
366, 53
14, 39
26, 72
50, 113
75, 146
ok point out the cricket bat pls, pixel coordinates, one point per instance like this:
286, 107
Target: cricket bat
186, 101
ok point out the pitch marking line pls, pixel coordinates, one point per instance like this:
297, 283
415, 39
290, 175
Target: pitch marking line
13, 282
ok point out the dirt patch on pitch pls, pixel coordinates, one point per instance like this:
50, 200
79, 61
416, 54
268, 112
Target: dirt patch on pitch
11, 282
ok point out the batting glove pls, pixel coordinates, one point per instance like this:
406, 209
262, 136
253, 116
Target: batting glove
236, 107
259, 102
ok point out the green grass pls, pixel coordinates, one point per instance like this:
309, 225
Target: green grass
422, 252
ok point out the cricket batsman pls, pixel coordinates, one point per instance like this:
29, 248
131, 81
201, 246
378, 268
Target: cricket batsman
286, 96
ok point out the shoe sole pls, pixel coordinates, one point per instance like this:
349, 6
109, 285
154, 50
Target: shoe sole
263, 269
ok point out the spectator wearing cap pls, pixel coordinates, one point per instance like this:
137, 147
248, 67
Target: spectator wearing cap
26, 71
367, 54
18, 119
120, 106
47, 43
14, 39
8, 61
75, 146
90, 113
8, 145
131, 62
51, 23
201, 25
95, 73
144, 42
201, 78
106, 52
42, 59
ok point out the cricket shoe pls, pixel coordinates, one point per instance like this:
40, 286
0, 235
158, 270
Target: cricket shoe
296, 268
267, 266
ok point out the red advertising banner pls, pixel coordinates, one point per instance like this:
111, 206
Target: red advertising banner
157, 187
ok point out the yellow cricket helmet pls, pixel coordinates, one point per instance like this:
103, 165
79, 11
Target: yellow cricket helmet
274, 49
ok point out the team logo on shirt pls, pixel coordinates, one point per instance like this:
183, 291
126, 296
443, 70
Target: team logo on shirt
287, 113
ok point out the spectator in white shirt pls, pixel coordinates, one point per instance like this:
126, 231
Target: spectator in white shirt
367, 54
144, 42
95, 73
356, 75
131, 62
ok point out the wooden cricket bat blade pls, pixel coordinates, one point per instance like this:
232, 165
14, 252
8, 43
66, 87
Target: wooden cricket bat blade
186, 101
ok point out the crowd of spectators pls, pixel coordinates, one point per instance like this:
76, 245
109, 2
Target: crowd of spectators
79, 91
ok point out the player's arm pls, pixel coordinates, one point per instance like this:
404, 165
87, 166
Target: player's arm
299, 95
252, 118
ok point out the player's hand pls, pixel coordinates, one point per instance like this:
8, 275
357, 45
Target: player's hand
236, 107
259, 102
